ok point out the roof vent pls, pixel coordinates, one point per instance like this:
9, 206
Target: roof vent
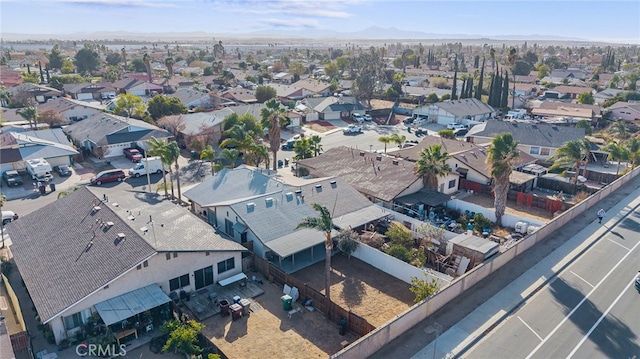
96, 208
298, 192
378, 158
268, 201
318, 188
362, 153
251, 206
395, 162
333, 183
121, 236
109, 224
289, 196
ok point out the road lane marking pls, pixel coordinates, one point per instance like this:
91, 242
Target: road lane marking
582, 279
531, 329
586, 336
614, 242
582, 301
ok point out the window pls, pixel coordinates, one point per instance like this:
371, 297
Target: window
452, 183
175, 254
224, 266
207, 253
73, 321
168, 255
179, 282
139, 266
203, 277
534, 150
145, 264
544, 151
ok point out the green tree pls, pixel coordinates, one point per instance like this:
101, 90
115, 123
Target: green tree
399, 234
183, 337
543, 71
30, 114
432, 98
447, 133
230, 155
633, 147
423, 288
265, 93
159, 148
247, 120
331, 70
398, 139
5, 97
130, 106
369, 74
169, 62
302, 149
160, 105
617, 152
67, 67
386, 140
432, 164
209, 154
500, 157
173, 153
137, 65
113, 59
343, 63
87, 60
30, 77
55, 58
240, 138
521, 68
272, 113
348, 241
324, 224
398, 251
570, 155
146, 58
316, 146
619, 130
586, 98
586, 124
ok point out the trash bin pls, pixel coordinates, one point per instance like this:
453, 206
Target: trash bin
286, 302
343, 325
245, 303
224, 307
52, 186
194, 155
236, 311
43, 189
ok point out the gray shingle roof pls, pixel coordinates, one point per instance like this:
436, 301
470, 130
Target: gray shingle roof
97, 127
52, 250
529, 134
465, 107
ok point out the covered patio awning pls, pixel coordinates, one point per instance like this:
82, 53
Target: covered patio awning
124, 306
296, 241
519, 178
360, 217
429, 197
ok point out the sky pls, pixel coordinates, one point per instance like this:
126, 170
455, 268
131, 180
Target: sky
615, 21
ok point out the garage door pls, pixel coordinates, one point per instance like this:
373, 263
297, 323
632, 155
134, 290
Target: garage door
58, 161
85, 96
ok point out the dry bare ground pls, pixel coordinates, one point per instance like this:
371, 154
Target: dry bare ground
512, 208
361, 288
320, 126
270, 333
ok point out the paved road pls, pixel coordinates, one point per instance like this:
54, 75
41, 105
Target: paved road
590, 310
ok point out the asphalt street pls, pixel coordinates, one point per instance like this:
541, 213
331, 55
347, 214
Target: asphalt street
591, 309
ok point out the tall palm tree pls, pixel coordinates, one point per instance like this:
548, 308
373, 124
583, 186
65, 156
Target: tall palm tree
386, 140
619, 130
316, 146
123, 52
256, 154
173, 153
324, 224
271, 115
398, 139
570, 155
239, 137
169, 62
147, 63
617, 152
5, 96
230, 155
302, 148
431, 165
209, 154
30, 114
500, 156
492, 55
633, 146
159, 148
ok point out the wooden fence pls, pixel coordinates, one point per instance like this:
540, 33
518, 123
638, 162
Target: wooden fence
331, 310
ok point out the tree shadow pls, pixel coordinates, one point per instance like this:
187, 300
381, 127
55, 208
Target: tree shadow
627, 223
353, 290
613, 338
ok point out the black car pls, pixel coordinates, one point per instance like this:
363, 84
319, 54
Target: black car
12, 178
63, 170
637, 282
460, 132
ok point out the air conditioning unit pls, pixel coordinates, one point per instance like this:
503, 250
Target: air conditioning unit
521, 227
532, 229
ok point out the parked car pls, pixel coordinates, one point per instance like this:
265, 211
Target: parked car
455, 126
352, 129
367, 117
637, 282
460, 132
8, 216
290, 143
133, 154
359, 118
108, 176
63, 170
408, 120
12, 178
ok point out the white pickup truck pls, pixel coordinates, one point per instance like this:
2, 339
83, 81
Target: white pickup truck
351, 129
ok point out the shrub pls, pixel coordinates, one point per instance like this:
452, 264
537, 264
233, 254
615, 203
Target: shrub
423, 288
348, 241
480, 222
399, 234
399, 251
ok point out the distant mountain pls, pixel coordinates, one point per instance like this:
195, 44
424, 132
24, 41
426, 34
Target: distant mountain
371, 33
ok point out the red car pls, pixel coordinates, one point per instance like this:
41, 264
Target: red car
133, 154
108, 176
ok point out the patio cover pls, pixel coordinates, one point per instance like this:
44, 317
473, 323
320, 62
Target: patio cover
519, 178
296, 242
360, 217
429, 197
129, 304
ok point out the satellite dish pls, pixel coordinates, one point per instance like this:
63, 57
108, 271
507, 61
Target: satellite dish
582, 179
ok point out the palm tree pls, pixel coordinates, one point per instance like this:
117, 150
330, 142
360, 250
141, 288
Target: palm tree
386, 140
431, 165
147, 62
209, 154
173, 153
159, 148
239, 137
302, 148
123, 51
619, 130
617, 152
492, 55
398, 139
5, 96
314, 141
169, 62
256, 154
633, 146
570, 155
230, 155
323, 224
271, 115
500, 156
30, 114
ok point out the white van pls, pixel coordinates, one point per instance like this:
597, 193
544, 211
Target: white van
149, 165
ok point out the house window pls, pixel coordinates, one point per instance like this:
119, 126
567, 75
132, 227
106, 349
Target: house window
175, 254
203, 277
534, 150
145, 264
224, 266
168, 255
139, 267
207, 253
228, 227
179, 282
452, 183
544, 151
73, 321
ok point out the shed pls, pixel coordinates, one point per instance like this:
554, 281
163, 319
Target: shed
476, 248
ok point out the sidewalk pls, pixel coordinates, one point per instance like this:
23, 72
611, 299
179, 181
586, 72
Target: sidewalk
466, 318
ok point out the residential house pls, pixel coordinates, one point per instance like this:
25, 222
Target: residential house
569, 73
9, 77
245, 204
606, 94
240, 95
90, 92
286, 93
567, 92
137, 87
568, 110
332, 108
539, 140
314, 87
283, 77
526, 90
105, 246
204, 126
177, 82
192, 98
35, 93
464, 111
530, 79
72, 110
628, 111
105, 135
18, 147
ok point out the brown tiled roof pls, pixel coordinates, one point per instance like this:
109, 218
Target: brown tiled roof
476, 159
450, 146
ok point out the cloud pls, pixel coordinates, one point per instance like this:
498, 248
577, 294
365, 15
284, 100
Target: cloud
323, 9
299, 23
122, 3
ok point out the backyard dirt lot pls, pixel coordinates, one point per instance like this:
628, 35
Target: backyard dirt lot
512, 208
363, 289
268, 332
